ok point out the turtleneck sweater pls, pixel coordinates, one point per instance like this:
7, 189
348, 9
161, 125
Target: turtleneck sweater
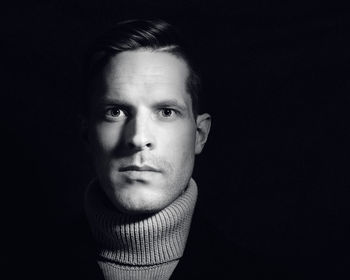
139, 246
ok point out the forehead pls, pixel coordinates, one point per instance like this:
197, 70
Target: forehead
150, 64
147, 72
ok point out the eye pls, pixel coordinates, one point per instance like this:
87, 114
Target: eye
115, 114
167, 113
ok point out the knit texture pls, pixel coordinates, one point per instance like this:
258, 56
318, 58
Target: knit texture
139, 246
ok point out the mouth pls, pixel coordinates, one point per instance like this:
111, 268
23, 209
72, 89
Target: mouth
141, 168
138, 173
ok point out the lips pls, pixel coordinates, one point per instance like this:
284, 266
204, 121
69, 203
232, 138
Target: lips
141, 168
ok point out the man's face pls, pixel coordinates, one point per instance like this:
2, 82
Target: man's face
142, 132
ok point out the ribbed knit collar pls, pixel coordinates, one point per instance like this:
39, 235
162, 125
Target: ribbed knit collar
143, 239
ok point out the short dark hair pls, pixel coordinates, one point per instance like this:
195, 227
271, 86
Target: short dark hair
156, 35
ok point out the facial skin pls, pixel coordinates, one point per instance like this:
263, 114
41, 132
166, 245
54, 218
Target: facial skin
142, 134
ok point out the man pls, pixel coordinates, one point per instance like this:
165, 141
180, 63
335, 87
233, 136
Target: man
143, 130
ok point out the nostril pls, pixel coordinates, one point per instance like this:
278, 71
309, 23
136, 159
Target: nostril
133, 145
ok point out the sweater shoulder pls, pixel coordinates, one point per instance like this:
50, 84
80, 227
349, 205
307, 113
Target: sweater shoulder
211, 255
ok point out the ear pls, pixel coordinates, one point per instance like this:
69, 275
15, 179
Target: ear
203, 127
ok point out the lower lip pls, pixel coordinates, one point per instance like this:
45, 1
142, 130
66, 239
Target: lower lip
138, 175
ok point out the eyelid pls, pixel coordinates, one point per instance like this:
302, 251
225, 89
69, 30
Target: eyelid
175, 114
177, 111
115, 118
170, 107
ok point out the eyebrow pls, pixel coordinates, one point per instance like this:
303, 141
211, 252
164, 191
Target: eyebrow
170, 103
113, 101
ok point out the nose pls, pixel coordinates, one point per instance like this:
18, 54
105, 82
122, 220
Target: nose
139, 135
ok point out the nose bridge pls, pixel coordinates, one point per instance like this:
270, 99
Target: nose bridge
139, 134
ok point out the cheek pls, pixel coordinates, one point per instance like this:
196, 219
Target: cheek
104, 137
180, 142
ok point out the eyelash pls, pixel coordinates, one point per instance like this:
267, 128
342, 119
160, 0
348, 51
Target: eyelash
170, 109
109, 113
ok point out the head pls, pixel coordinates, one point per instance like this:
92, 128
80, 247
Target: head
142, 121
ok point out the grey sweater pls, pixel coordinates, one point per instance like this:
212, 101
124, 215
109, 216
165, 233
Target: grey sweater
139, 247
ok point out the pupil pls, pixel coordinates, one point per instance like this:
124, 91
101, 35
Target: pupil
167, 112
115, 112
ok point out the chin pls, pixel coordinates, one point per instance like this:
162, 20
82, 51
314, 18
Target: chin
140, 200
136, 207
138, 210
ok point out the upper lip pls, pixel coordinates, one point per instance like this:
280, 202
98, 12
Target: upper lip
138, 168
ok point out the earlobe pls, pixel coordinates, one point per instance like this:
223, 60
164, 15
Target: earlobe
203, 128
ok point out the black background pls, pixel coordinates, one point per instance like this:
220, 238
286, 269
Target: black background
274, 176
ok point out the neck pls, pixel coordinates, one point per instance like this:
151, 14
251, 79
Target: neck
140, 240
